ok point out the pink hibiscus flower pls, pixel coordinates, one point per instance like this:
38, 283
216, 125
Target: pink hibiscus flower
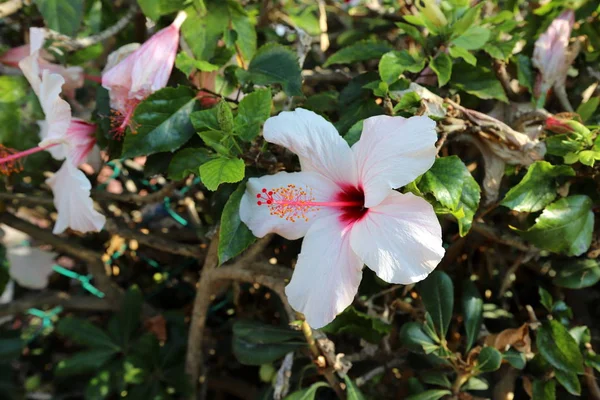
344, 204
142, 72
64, 138
551, 55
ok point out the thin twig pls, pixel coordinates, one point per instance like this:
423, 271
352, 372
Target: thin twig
10, 7
319, 359
156, 242
52, 299
508, 240
592, 383
73, 44
194, 357
154, 197
504, 78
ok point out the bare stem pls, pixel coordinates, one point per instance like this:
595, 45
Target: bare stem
73, 44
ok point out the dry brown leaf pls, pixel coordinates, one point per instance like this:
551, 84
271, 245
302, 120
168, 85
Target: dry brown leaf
517, 338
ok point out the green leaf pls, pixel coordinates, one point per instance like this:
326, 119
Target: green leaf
411, 31
445, 181
394, 63
558, 347
306, 394
545, 298
415, 339
467, 20
352, 391
63, 16
525, 73
128, 316
274, 63
245, 29
11, 345
565, 226
515, 358
360, 51
475, 383
437, 292
253, 111
587, 109
234, 235
501, 49
12, 89
473, 38
537, 189
577, 274
478, 81
359, 324
454, 187
473, 312
202, 30
205, 120
222, 170
562, 145
442, 66
433, 394
569, 381
489, 359
84, 362
544, 390
163, 121
256, 344
225, 117
187, 161
83, 332
459, 52
154, 9
187, 64
437, 378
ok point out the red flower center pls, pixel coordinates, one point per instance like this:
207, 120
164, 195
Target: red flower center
355, 197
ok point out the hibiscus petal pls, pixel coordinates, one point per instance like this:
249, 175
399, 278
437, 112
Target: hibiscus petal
391, 152
316, 142
400, 239
57, 111
260, 219
72, 200
117, 80
154, 62
327, 273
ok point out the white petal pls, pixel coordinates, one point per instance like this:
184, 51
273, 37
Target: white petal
72, 200
57, 111
259, 218
400, 239
316, 142
31, 69
391, 152
29, 266
36, 39
327, 273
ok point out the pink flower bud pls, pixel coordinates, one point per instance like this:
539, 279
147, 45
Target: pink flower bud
145, 70
560, 125
551, 54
